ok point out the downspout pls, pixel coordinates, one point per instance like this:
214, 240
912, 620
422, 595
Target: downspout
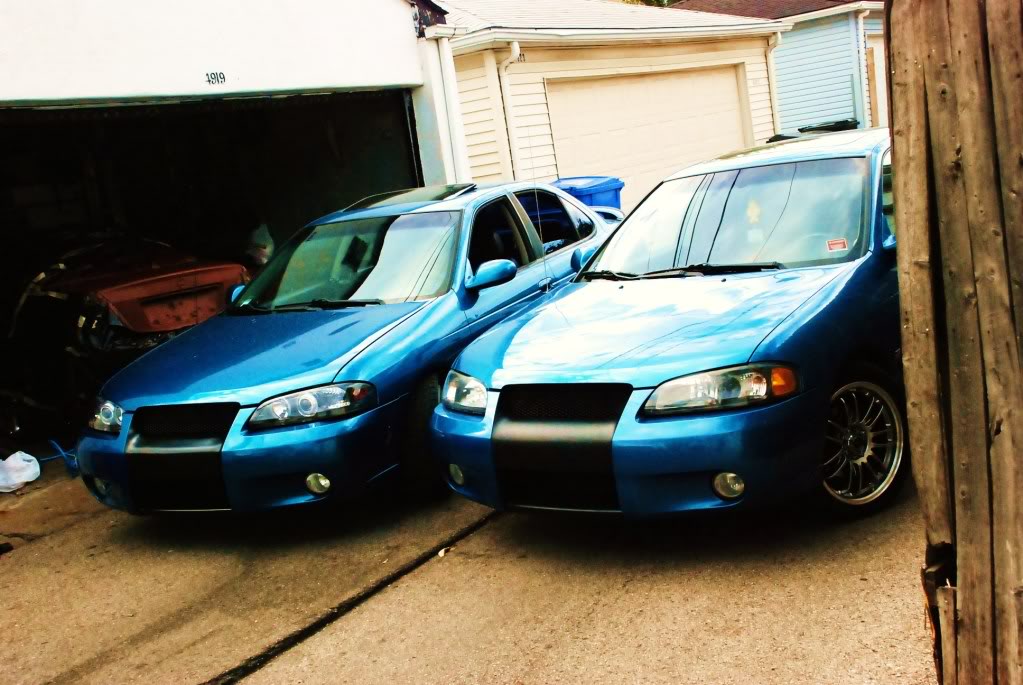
509, 120
453, 105
861, 55
772, 79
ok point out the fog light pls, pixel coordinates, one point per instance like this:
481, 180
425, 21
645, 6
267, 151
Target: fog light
729, 485
317, 483
457, 477
102, 487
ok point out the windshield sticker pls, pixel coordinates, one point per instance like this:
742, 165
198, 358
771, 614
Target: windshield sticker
753, 212
838, 245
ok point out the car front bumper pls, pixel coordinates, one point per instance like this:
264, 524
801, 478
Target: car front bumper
666, 465
252, 470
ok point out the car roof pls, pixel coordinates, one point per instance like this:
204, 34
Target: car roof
437, 198
858, 143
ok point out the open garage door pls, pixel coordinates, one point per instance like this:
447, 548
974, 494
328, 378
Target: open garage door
642, 128
171, 191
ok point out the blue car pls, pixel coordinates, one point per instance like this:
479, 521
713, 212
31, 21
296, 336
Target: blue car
735, 342
322, 374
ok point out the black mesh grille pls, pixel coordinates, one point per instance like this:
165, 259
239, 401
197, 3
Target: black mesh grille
185, 421
563, 402
177, 481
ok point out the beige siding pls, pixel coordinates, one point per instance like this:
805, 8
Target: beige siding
529, 77
483, 118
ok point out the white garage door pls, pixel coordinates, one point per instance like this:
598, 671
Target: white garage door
642, 128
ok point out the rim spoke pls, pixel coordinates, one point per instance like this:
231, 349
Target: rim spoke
848, 486
837, 455
841, 465
870, 408
833, 439
848, 414
856, 405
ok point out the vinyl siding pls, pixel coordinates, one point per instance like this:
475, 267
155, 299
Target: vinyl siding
816, 66
531, 115
874, 23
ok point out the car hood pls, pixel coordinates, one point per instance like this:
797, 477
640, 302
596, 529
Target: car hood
247, 359
641, 332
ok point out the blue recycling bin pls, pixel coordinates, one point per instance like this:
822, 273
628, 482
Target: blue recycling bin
594, 191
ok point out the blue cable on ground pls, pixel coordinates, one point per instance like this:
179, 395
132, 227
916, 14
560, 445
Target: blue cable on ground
70, 460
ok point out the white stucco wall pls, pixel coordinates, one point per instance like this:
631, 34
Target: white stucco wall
110, 50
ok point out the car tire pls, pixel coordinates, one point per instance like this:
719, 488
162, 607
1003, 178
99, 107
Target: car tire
419, 471
865, 459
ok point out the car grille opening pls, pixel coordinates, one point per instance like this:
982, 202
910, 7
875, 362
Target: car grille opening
185, 421
188, 481
552, 445
568, 402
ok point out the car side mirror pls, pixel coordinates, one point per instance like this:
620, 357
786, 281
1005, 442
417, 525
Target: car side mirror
611, 215
889, 242
235, 292
494, 272
580, 256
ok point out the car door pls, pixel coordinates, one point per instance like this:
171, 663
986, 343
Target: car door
498, 231
561, 228
889, 316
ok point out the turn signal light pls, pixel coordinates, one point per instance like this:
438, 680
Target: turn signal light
783, 381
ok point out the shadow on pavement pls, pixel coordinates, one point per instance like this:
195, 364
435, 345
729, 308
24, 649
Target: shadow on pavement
381, 509
729, 535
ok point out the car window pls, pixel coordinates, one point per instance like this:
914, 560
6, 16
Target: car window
496, 234
706, 224
798, 214
888, 192
551, 220
649, 239
583, 224
392, 258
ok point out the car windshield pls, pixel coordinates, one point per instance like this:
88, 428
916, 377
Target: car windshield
358, 262
781, 216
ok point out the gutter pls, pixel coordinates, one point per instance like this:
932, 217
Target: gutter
864, 6
772, 80
506, 97
492, 38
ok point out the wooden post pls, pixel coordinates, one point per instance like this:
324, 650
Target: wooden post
957, 113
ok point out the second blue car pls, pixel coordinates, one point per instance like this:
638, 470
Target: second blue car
735, 342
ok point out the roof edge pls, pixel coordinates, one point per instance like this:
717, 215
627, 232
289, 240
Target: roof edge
862, 6
486, 38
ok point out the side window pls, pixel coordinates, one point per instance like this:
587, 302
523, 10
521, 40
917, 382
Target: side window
583, 223
551, 220
496, 234
888, 192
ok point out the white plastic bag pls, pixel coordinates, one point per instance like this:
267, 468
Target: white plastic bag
17, 470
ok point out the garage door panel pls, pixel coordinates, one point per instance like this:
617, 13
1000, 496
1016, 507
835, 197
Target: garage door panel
644, 127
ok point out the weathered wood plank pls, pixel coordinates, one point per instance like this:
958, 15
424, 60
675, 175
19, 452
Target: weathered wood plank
917, 275
947, 624
948, 95
1005, 48
1000, 354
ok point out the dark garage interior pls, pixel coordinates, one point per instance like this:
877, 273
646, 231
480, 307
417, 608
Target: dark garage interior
86, 193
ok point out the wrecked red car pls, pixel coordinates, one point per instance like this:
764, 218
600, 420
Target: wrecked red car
95, 309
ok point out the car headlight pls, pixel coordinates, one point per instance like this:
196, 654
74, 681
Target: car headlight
464, 394
723, 389
316, 404
107, 417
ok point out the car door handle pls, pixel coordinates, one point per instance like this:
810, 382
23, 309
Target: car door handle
545, 284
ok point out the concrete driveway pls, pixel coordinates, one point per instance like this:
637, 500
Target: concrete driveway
362, 596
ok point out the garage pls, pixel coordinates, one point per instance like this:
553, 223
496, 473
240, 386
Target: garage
577, 88
648, 126
139, 184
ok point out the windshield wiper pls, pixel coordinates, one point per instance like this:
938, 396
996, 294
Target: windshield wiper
607, 275
316, 305
714, 269
250, 308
